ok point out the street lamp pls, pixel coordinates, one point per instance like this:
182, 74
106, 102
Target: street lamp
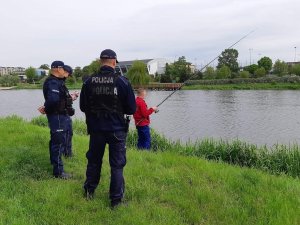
295, 54
250, 53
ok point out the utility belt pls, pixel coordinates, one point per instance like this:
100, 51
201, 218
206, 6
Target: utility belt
68, 112
99, 113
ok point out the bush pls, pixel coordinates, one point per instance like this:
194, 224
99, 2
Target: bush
244, 74
223, 73
9, 80
260, 72
280, 68
295, 69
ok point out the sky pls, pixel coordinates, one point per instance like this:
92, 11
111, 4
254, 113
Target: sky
35, 32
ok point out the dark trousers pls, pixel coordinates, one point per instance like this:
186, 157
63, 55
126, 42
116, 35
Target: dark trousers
117, 160
58, 125
69, 134
144, 138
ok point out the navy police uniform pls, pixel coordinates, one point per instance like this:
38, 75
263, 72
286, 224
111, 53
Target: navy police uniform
105, 98
58, 107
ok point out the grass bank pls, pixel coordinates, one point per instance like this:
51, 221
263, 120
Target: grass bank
280, 159
21, 86
245, 86
162, 187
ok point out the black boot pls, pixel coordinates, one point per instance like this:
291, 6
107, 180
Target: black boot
64, 176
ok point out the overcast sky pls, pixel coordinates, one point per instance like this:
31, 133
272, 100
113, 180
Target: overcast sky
34, 32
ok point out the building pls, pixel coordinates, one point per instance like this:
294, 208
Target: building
153, 66
12, 70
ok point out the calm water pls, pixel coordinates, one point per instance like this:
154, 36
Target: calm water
260, 117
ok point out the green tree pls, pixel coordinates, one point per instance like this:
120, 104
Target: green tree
229, 58
224, 72
295, 69
244, 74
260, 72
251, 68
209, 73
44, 67
94, 67
31, 74
138, 74
280, 68
77, 73
266, 63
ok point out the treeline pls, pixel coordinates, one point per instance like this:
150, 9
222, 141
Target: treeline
227, 68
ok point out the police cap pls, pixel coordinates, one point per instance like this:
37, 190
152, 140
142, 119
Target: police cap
108, 54
68, 69
57, 64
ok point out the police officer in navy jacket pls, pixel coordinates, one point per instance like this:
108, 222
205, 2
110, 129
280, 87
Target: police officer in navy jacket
58, 108
105, 99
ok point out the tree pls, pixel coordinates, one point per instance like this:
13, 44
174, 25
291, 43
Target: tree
94, 66
280, 68
229, 58
260, 72
266, 63
209, 73
31, 74
44, 67
224, 72
180, 70
251, 68
137, 74
198, 75
296, 69
244, 74
77, 72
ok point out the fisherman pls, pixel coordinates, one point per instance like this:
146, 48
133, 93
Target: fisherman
105, 99
142, 120
58, 108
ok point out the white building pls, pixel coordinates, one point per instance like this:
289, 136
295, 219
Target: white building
157, 66
12, 70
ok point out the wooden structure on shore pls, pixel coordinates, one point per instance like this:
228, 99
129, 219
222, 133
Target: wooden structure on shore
160, 86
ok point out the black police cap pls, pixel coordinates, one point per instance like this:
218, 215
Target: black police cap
108, 54
57, 64
68, 69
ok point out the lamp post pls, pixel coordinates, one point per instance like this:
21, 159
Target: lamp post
250, 54
295, 57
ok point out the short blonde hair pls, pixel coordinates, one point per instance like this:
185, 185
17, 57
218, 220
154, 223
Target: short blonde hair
140, 91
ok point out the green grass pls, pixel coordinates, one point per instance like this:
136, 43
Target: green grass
162, 187
246, 86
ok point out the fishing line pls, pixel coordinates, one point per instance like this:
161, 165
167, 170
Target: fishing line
184, 83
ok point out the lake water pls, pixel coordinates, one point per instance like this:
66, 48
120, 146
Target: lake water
259, 117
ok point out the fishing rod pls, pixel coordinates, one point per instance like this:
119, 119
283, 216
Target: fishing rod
184, 83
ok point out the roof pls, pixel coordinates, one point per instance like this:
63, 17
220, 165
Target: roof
123, 63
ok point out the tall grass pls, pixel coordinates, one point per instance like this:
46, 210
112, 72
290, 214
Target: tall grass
280, 159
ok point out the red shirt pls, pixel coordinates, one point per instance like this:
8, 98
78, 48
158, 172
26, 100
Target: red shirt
142, 113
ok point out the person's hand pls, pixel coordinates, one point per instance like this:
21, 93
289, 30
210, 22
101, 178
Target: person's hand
74, 95
41, 109
155, 108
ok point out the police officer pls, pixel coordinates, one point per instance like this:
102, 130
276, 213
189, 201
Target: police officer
69, 130
58, 107
105, 99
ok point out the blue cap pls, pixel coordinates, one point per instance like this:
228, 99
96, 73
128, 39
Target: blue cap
108, 54
57, 64
68, 69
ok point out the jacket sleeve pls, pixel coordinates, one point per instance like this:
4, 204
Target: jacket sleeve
52, 93
82, 100
126, 95
145, 112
